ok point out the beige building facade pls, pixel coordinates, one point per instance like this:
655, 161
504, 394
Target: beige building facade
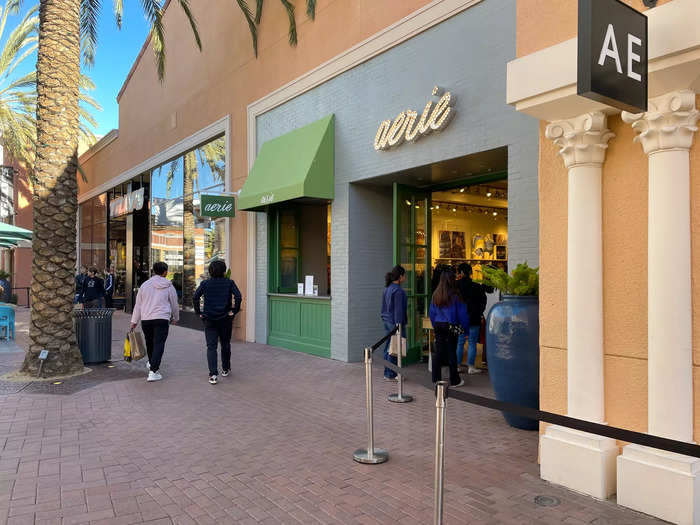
619, 223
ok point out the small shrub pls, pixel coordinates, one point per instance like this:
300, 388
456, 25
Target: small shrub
522, 281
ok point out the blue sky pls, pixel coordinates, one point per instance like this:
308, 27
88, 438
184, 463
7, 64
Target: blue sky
116, 52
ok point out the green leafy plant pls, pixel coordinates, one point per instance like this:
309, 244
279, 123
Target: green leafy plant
522, 281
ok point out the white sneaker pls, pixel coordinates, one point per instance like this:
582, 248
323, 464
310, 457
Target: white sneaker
461, 383
154, 376
148, 365
474, 370
225, 373
213, 380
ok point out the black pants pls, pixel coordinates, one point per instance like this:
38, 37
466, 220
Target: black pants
445, 353
108, 301
155, 332
215, 331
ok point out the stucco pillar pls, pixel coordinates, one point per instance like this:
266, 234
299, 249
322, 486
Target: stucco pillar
578, 460
660, 483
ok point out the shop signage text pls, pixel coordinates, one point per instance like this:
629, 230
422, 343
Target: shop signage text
267, 199
126, 204
612, 54
404, 127
217, 206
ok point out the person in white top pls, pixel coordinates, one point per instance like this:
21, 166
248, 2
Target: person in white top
156, 308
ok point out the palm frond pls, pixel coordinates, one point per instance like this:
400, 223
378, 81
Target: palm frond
311, 9
185, 5
25, 34
154, 14
292, 22
26, 54
118, 12
89, 15
243, 5
258, 11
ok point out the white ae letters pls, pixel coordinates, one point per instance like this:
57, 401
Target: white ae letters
606, 51
610, 49
633, 57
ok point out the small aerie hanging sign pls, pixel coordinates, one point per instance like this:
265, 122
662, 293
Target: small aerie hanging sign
404, 127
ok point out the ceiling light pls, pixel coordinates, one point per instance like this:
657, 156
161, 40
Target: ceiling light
454, 209
437, 207
408, 203
488, 193
462, 190
495, 213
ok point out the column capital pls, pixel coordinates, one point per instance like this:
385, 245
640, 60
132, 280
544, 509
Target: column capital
669, 124
583, 139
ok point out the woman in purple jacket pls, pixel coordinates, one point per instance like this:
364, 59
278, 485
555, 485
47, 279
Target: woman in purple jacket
394, 303
449, 316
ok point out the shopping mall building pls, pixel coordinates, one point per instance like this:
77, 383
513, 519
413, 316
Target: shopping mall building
430, 133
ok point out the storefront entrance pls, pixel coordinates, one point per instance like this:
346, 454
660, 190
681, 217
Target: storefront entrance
441, 226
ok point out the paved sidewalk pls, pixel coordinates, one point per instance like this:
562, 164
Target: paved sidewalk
271, 444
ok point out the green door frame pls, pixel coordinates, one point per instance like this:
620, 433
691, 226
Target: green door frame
412, 214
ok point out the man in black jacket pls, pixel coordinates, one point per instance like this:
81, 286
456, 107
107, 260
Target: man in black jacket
474, 295
222, 301
93, 291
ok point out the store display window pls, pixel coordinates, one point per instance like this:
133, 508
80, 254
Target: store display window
299, 247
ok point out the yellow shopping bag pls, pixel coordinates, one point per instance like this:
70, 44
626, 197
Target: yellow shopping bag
127, 348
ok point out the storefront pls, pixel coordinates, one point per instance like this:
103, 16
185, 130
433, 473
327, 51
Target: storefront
158, 216
423, 175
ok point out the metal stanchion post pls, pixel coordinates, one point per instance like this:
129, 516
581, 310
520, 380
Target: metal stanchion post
399, 397
370, 455
439, 449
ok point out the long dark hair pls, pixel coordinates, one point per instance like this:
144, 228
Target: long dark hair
446, 292
395, 274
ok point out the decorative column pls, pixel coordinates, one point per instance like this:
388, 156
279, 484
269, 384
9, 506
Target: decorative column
578, 460
660, 483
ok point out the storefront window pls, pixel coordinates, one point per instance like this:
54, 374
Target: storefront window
93, 232
180, 237
300, 247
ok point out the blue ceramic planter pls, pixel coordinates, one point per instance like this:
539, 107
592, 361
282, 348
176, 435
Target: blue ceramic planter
513, 351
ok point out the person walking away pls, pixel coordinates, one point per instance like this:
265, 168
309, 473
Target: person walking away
156, 308
222, 301
474, 296
79, 279
93, 291
449, 316
109, 287
394, 306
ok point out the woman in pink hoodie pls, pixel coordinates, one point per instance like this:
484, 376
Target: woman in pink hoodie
156, 307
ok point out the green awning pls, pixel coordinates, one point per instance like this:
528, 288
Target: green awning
8, 230
297, 165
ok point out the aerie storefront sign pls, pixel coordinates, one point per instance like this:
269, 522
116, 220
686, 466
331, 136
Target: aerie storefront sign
405, 128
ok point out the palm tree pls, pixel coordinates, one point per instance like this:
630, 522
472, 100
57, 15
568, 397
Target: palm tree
18, 93
62, 22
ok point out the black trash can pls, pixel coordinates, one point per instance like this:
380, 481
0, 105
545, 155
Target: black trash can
93, 329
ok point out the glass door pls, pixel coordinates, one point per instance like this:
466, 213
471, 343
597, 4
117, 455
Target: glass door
412, 236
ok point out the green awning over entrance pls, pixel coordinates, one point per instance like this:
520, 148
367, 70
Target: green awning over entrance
297, 165
14, 232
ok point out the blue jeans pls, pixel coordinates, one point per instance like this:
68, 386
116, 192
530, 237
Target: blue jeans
471, 352
388, 372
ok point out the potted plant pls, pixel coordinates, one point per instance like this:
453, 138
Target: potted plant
512, 340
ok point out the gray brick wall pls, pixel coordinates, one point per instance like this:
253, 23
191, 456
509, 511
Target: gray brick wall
466, 55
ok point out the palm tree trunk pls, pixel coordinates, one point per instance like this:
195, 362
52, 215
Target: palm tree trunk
55, 191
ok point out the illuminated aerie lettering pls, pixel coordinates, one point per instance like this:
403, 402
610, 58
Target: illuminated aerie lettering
405, 128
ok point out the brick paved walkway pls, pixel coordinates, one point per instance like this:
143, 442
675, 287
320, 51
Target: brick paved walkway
270, 444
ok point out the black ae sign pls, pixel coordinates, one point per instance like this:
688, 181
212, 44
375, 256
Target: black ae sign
612, 54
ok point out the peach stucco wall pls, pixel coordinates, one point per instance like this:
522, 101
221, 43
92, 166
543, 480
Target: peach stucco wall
201, 88
625, 193
543, 23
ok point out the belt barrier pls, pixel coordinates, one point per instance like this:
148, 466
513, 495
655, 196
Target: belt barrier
442, 392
